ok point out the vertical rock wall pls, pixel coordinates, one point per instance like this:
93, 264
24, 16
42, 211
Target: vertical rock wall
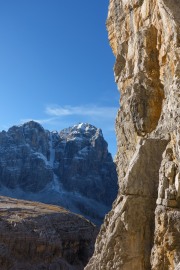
142, 231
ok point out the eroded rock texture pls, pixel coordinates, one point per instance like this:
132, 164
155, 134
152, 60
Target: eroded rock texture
142, 231
38, 236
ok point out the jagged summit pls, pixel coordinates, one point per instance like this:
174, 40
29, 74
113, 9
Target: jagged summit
72, 168
81, 130
27, 125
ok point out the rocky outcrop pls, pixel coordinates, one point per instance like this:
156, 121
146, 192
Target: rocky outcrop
72, 168
38, 236
143, 229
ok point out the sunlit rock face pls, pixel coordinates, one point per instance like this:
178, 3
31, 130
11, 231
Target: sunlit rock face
72, 168
40, 236
142, 231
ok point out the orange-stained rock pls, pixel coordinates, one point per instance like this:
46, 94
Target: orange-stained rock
142, 231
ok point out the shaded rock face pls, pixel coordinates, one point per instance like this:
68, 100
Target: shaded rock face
142, 231
86, 166
38, 236
73, 168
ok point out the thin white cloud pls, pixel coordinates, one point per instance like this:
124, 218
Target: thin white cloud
40, 121
88, 110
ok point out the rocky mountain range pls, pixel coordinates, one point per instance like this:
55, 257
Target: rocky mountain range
72, 168
142, 231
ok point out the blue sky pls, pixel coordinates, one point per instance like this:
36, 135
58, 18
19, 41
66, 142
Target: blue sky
56, 65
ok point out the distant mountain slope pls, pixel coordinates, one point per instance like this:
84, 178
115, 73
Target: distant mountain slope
39, 236
72, 168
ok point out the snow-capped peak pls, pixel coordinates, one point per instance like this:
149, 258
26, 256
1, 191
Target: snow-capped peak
81, 131
82, 126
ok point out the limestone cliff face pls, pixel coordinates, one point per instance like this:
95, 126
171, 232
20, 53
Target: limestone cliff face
142, 231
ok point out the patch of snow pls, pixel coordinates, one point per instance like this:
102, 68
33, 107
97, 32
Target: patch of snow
75, 139
75, 132
56, 185
82, 126
84, 151
41, 156
52, 151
